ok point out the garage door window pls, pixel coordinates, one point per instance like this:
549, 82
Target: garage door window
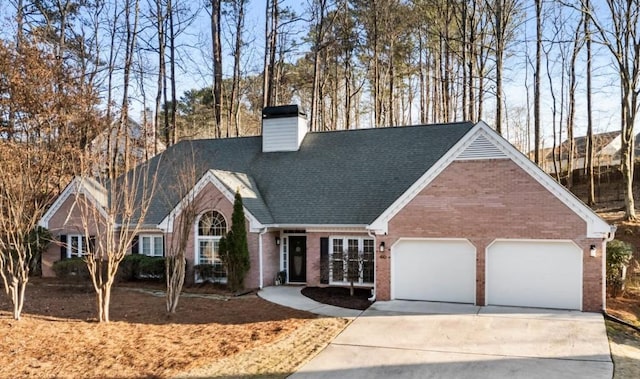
351, 258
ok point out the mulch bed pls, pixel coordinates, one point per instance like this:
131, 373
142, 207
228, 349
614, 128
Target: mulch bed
340, 297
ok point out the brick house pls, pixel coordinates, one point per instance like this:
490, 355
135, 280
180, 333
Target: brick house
448, 212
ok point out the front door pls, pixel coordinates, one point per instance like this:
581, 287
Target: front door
297, 259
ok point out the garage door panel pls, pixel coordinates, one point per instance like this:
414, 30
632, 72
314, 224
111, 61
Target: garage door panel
546, 274
434, 270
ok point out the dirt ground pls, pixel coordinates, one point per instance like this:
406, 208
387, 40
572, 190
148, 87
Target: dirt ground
59, 337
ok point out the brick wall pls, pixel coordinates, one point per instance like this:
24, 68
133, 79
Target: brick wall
485, 200
68, 220
313, 253
211, 199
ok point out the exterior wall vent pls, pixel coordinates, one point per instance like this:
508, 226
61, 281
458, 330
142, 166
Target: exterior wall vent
481, 148
283, 128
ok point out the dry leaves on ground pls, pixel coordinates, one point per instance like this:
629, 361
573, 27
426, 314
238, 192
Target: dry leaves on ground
58, 336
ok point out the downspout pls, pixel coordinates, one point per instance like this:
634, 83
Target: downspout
262, 232
375, 265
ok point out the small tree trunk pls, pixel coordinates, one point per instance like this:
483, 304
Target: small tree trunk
106, 302
100, 304
22, 286
175, 281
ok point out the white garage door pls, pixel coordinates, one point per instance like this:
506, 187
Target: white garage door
545, 274
434, 270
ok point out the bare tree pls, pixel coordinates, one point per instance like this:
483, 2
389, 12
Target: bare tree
503, 13
621, 37
38, 154
182, 229
172, 68
233, 116
162, 71
272, 17
120, 195
216, 8
589, 151
319, 10
537, 81
578, 41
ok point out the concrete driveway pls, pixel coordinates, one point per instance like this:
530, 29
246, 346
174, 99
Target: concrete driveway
401, 339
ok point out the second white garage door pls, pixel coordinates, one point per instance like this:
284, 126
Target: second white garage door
434, 270
545, 274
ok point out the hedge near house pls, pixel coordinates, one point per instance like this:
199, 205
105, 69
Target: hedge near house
234, 250
619, 255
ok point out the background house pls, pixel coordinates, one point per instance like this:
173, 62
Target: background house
140, 139
605, 147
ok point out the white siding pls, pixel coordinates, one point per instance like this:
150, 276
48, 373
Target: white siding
283, 134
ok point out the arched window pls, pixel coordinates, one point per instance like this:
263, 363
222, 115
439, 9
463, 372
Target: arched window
212, 224
211, 227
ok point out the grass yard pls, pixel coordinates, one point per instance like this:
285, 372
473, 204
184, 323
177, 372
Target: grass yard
210, 335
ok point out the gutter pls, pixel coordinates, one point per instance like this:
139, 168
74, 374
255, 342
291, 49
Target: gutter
612, 233
375, 265
262, 232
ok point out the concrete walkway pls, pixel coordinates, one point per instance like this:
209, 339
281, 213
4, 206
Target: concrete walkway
290, 296
411, 339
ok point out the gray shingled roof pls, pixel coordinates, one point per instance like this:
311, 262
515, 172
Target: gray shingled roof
338, 178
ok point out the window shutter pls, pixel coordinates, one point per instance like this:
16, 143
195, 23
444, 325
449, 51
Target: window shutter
163, 246
324, 260
134, 245
91, 243
63, 246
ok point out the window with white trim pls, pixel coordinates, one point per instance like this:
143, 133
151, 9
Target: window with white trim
212, 226
351, 256
151, 245
76, 245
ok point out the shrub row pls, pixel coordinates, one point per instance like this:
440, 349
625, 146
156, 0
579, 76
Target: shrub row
72, 268
132, 267
214, 273
137, 266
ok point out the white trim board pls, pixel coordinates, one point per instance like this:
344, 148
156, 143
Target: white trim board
596, 227
208, 178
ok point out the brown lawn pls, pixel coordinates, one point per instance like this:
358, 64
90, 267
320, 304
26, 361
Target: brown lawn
59, 337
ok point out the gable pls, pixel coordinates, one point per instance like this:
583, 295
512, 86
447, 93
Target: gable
468, 148
486, 199
89, 188
210, 180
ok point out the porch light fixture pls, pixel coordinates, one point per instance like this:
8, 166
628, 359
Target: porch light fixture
277, 241
592, 250
382, 246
